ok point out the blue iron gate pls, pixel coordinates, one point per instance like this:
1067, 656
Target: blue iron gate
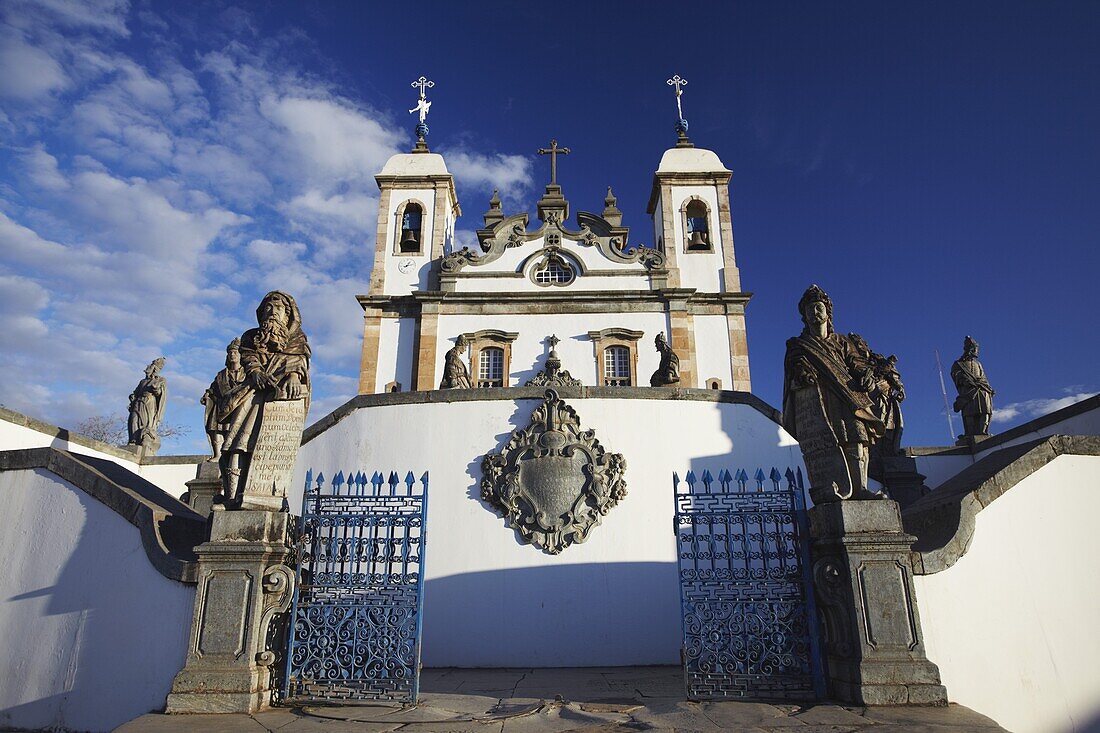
356, 620
748, 613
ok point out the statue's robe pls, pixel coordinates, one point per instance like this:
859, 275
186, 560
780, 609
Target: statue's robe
291, 358
225, 397
848, 408
455, 373
975, 394
147, 405
669, 370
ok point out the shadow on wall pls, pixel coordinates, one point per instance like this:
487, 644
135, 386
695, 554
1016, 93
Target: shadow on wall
100, 645
597, 614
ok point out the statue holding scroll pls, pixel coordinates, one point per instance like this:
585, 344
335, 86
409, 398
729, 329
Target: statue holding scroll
262, 417
828, 404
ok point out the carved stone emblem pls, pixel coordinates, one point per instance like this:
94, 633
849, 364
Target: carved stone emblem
553, 481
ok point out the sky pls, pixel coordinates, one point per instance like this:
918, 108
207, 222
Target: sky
933, 166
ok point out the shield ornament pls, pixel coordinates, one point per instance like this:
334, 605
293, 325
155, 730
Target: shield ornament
552, 481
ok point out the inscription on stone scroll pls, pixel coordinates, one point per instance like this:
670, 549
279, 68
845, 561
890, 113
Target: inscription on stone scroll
272, 463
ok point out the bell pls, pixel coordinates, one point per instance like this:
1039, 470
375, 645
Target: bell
698, 240
409, 240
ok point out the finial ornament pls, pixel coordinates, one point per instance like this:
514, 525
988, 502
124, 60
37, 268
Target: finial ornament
422, 106
679, 83
554, 151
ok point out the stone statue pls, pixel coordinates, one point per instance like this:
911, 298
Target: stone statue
827, 403
887, 394
226, 396
147, 403
975, 400
455, 373
263, 415
669, 370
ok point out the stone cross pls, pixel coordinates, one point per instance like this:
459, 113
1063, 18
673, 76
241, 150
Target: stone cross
553, 151
679, 83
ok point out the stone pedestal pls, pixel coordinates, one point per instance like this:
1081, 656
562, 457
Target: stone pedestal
863, 581
202, 489
902, 480
243, 583
970, 441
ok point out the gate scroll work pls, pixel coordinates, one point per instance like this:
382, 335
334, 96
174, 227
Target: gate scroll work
749, 622
356, 621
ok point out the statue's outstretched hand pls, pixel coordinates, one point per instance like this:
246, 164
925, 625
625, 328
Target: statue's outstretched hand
294, 386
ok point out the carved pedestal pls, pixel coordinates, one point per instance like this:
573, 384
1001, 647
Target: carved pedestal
202, 489
863, 581
243, 583
902, 480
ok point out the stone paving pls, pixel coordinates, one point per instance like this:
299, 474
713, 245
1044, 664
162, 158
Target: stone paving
592, 700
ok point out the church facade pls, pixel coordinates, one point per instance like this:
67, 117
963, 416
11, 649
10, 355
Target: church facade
581, 280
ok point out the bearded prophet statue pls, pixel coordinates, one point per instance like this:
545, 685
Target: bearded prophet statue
147, 403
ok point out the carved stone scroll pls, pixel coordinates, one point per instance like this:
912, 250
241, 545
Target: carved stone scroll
553, 481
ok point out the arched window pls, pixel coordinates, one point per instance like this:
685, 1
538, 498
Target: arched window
697, 228
490, 367
714, 383
616, 366
553, 270
393, 387
411, 237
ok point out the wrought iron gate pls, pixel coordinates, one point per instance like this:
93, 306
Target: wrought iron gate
356, 622
749, 621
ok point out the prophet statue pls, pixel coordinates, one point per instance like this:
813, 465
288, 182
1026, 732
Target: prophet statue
668, 372
975, 400
828, 404
455, 373
147, 403
225, 398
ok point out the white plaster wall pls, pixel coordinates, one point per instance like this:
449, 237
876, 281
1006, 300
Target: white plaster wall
397, 282
712, 350
937, 469
699, 270
168, 477
576, 349
492, 601
1085, 423
396, 341
1013, 624
91, 634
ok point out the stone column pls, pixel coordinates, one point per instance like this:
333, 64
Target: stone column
863, 581
427, 335
243, 583
202, 489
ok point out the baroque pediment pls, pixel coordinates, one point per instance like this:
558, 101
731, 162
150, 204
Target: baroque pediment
553, 482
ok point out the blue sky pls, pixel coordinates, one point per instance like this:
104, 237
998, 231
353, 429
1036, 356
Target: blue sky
933, 166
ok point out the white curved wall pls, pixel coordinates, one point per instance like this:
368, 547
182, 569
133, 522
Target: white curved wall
1013, 624
91, 634
492, 601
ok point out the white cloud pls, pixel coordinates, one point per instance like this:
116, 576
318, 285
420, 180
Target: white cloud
1029, 409
28, 72
510, 174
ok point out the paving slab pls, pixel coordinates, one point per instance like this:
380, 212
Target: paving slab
603, 700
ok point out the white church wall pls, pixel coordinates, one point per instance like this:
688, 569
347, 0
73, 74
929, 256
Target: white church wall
699, 270
712, 350
92, 633
938, 468
1083, 423
576, 349
169, 477
492, 601
402, 283
1012, 624
396, 345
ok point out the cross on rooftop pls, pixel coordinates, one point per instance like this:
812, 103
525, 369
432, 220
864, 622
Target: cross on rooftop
553, 151
679, 83
423, 83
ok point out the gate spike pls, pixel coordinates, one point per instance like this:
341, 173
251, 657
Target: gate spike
724, 478
309, 478
707, 480
337, 481
675, 482
377, 481
759, 478
424, 479
790, 478
798, 475
393, 481
320, 480
409, 481
742, 478
690, 478
776, 477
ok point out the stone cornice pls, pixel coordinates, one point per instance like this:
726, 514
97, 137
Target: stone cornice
943, 521
169, 529
694, 178
538, 393
396, 302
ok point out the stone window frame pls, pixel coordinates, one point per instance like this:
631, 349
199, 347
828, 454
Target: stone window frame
713, 383
400, 214
684, 223
393, 387
544, 262
607, 337
491, 338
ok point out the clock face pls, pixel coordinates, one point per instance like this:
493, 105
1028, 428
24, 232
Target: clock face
406, 265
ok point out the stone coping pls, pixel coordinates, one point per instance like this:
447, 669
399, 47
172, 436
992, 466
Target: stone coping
18, 418
1031, 426
169, 528
437, 396
943, 520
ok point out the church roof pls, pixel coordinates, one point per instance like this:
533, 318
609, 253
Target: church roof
415, 164
691, 160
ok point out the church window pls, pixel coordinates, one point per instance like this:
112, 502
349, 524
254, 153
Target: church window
410, 236
616, 352
697, 226
490, 367
616, 366
714, 383
553, 270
